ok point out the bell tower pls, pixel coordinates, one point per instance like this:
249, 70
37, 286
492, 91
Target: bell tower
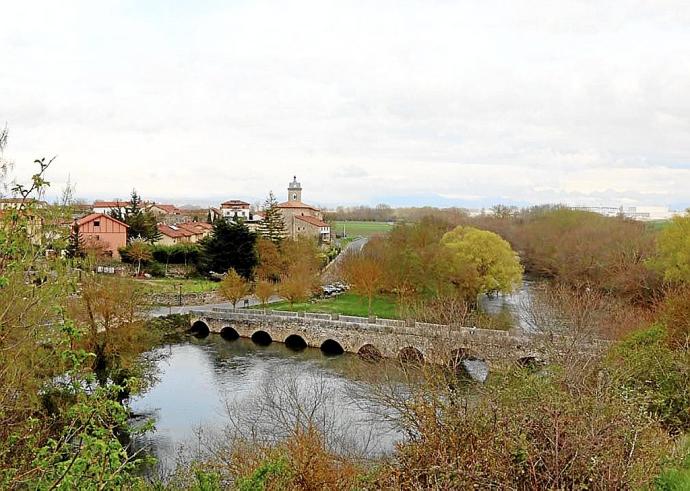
294, 190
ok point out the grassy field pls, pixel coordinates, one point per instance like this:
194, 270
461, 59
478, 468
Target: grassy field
363, 229
346, 304
167, 285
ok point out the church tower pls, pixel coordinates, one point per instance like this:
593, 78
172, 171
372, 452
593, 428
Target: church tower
294, 191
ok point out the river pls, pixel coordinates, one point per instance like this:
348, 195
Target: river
209, 388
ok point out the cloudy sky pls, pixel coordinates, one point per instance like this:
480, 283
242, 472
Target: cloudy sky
403, 102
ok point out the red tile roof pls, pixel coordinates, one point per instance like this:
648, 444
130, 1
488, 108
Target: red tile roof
93, 216
174, 231
236, 203
196, 227
312, 220
296, 204
186, 229
110, 204
169, 209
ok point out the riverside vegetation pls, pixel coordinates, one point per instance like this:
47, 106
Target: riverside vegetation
71, 346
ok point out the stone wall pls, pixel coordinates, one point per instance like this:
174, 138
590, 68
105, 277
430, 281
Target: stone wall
169, 298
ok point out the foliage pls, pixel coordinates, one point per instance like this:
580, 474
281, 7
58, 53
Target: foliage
75, 246
676, 476
297, 285
300, 462
583, 249
673, 246
364, 272
646, 364
138, 251
234, 287
272, 226
530, 431
264, 290
230, 246
481, 262
141, 221
183, 253
271, 264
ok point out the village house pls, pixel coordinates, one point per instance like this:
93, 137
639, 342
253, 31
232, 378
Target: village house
105, 207
99, 230
14, 203
187, 232
235, 210
168, 214
302, 219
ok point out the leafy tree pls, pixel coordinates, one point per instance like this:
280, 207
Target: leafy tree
75, 245
673, 246
365, 274
139, 251
264, 290
481, 262
271, 264
142, 223
234, 287
296, 286
230, 246
272, 226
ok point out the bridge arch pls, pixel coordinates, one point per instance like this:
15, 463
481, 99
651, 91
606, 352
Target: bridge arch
530, 362
262, 338
295, 342
200, 329
332, 347
229, 333
410, 354
458, 355
369, 352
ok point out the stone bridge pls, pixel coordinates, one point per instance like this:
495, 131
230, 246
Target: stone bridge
371, 338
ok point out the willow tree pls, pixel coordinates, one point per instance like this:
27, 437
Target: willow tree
479, 261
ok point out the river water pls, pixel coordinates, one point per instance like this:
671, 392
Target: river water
211, 388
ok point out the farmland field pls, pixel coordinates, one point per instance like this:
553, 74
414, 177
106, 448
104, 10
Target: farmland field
362, 229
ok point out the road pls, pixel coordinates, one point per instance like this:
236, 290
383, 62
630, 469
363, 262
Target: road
329, 273
251, 301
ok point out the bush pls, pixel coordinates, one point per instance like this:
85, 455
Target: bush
646, 364
155, 269
176, 254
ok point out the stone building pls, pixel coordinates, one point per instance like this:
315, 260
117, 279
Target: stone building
302, 219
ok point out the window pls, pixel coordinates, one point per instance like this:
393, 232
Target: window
96, 223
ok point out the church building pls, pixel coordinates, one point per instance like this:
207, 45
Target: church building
303, 219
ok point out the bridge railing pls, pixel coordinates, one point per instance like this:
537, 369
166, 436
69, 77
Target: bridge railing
337, 320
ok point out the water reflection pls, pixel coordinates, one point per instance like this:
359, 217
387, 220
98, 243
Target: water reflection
215, 385
516, 305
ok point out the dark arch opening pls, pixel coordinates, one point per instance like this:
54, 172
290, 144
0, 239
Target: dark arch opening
410, 354
370, 353
295, 342
331, 348
457, 356
262, 338
229, 334
200, 329
530, 362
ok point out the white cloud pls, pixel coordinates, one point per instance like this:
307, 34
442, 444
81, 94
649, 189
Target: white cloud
364, 101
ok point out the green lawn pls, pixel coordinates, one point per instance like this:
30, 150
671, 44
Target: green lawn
346, 304
363, 229
167, 285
